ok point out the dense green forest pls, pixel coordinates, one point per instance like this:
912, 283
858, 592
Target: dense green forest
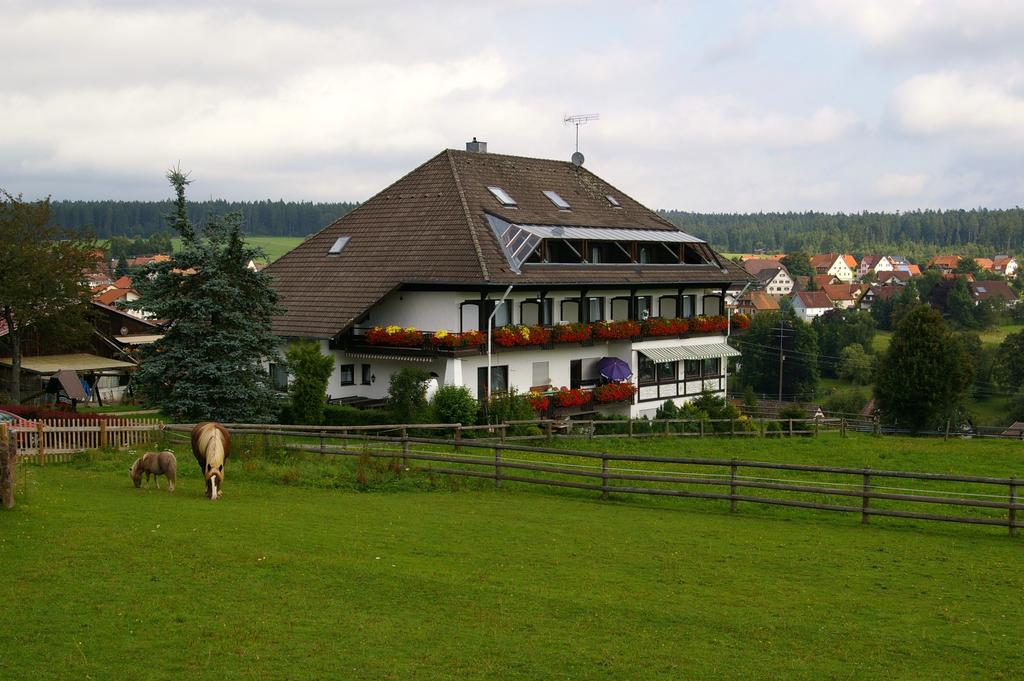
145, 218
914, 234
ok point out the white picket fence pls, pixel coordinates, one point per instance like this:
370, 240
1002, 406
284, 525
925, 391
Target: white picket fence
56, 440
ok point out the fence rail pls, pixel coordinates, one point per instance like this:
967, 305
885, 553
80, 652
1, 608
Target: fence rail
918, 495
738, 482
55, 440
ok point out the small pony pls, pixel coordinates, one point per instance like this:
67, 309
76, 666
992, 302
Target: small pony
155, 464
211, 444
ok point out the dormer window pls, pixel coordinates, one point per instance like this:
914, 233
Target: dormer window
557, 200
339, 244
613, 201
503, 197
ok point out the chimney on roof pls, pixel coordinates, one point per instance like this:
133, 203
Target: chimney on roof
477, 147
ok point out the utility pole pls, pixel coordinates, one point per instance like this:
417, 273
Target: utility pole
782, 357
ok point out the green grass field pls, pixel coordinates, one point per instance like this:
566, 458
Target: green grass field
273, 246
295, 573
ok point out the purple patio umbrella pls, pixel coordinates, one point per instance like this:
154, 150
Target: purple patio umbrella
614, 369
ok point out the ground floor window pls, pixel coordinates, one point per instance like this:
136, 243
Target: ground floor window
347, 374
367, 377
279, 376
702, 368
650, 372
498, 382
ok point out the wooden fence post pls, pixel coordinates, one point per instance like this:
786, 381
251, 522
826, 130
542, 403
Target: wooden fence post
590, 430
458, 437
266, 440
8, 469
502, 432
864, 516
1012, 513
877, 425
842, 427
322, 443
630, 426
550, 427
791, 427
41, 443
732, 487
668, 426
405, 446
946, 436
702, 426
497, 468
762, 426
103, 433
604, 477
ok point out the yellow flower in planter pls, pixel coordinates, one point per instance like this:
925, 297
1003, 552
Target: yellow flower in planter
442, 333
525, 332
393, 329
411, 329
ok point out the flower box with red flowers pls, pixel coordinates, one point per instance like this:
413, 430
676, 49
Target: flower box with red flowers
540, 402
740, 321
622, 330
614, 392
575, 397
571, 333
395, 336
663, 326
511, 336
708, 324
455, 341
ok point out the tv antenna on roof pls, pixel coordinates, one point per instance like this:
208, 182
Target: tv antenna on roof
578, 120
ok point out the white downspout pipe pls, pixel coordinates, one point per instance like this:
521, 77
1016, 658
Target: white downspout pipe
487, 393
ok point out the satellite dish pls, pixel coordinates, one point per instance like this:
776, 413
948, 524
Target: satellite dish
577, 158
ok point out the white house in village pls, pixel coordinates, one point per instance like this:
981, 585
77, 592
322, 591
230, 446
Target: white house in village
775, 281
810, 304
563, 269
832, 264
874, 264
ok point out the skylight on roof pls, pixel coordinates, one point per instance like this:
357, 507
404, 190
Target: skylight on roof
503, 197
338, 245
614, 201
556, 199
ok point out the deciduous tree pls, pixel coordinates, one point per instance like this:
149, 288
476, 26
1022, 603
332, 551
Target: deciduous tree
312, 370
41, 282
926, 374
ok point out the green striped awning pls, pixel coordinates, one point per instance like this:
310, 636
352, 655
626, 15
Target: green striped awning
681, 352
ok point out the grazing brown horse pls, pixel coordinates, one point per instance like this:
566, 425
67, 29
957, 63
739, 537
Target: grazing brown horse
211, 444
155, 464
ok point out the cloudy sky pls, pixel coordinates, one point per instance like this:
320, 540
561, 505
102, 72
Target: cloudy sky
706, 106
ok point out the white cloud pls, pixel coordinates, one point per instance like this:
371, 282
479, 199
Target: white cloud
896, 186
961, 106
940, 28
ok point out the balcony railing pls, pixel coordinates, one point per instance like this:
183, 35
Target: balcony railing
535, 336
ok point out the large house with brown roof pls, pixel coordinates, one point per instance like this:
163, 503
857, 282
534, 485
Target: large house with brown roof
562, 268
834, 264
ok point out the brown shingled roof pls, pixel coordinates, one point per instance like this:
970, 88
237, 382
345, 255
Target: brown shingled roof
430, 227
814, 299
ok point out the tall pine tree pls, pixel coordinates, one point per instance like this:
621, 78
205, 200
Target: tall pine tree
209, 364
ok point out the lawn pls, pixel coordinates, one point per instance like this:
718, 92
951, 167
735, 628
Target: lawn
273, 246
298, 581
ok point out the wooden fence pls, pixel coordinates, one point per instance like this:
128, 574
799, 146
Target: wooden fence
982, 500
57, 439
